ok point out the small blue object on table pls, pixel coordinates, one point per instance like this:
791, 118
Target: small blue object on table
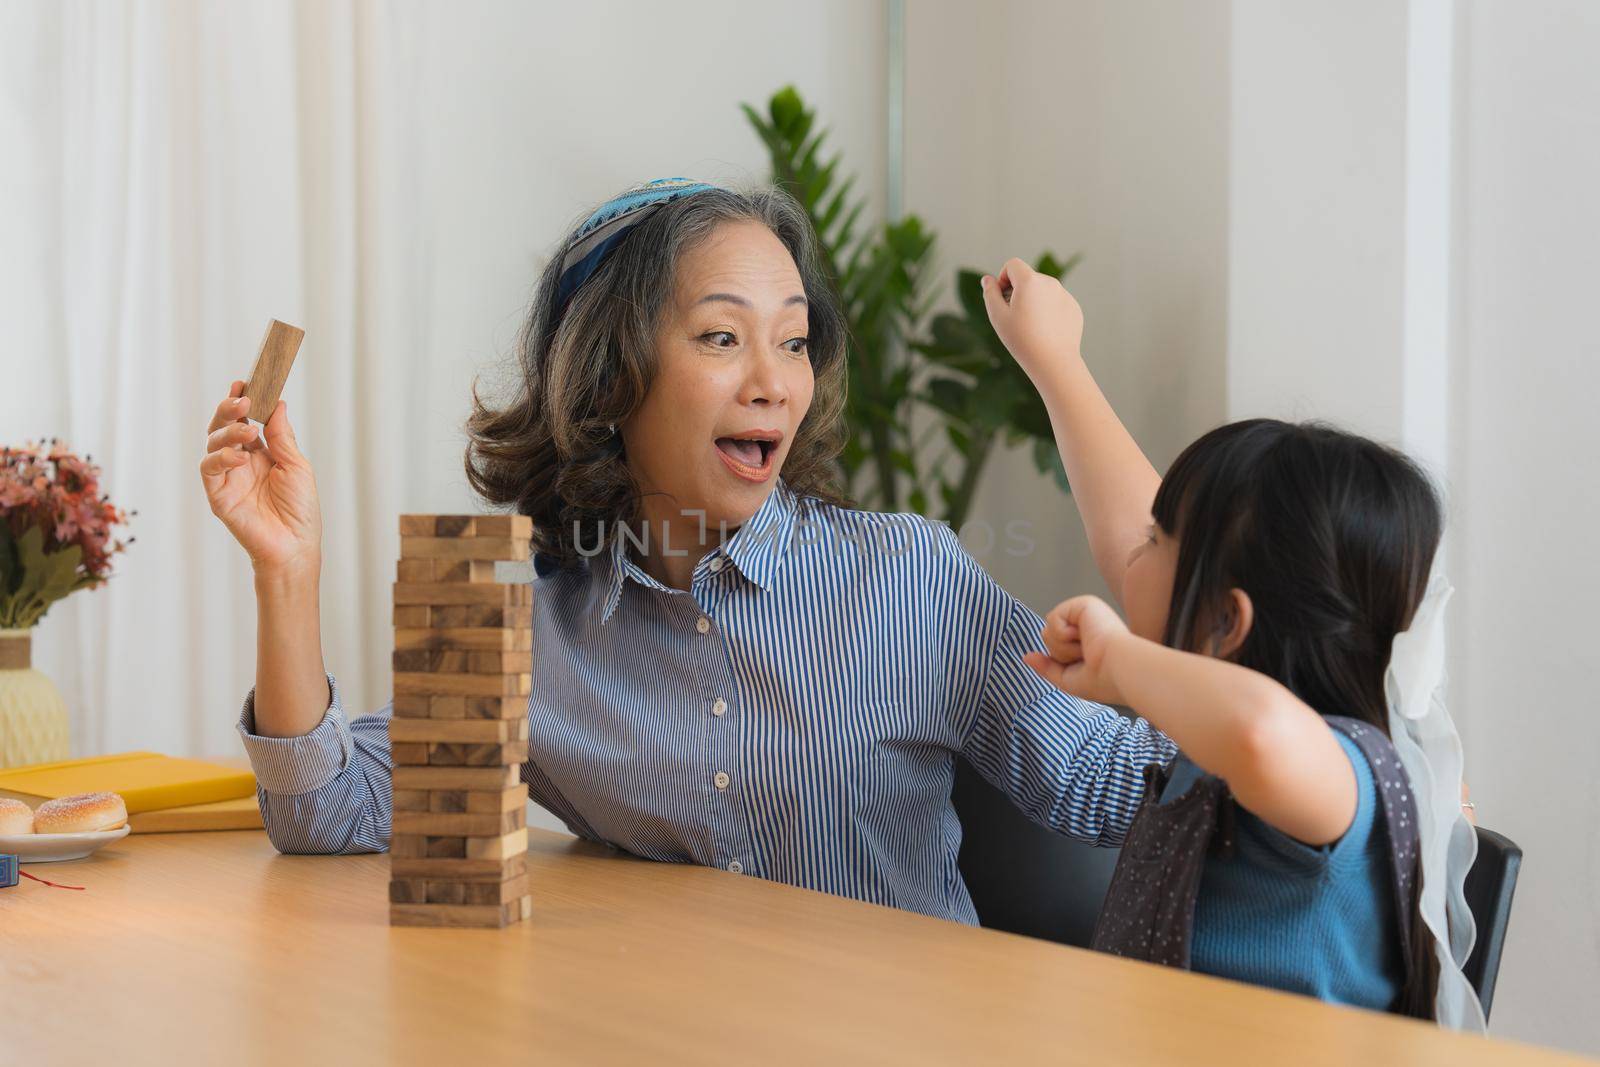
8, 871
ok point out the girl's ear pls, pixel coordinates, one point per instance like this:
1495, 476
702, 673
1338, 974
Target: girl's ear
1238, 615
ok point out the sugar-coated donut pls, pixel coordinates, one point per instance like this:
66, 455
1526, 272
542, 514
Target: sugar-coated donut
79, 814
15, 817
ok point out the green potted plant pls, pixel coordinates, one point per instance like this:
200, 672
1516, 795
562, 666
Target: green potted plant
55, 538
948, 372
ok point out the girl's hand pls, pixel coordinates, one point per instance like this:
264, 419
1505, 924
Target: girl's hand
1078, 634
265, 494
1037, 319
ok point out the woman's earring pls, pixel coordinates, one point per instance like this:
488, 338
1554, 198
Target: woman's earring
613, 428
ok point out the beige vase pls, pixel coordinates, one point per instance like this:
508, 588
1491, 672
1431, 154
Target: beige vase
33, 717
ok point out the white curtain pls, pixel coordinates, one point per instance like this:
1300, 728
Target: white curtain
388, 176
175, 175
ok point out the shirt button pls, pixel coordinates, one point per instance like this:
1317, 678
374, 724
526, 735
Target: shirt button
722, 779
736, 867
702, 624
720, 707
716, 563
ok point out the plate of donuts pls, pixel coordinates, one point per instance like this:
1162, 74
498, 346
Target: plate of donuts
66, 828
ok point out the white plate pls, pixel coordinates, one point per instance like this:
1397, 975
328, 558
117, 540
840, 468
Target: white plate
47, 848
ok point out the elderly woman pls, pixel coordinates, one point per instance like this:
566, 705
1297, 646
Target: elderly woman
731, 668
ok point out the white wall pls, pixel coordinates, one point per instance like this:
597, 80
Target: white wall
1525, 492
1091, 126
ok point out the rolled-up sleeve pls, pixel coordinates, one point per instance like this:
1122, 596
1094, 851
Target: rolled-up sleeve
327, 791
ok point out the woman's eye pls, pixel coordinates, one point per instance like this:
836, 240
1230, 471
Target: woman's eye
720, 338
796, 345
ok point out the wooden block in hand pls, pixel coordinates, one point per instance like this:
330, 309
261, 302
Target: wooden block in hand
273, 361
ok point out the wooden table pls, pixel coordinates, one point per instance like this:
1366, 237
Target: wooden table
212, 947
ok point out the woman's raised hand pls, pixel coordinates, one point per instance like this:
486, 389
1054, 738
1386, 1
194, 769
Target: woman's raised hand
1037, 319
263, 491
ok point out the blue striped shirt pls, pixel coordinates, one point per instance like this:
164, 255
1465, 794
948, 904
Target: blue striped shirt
794, 715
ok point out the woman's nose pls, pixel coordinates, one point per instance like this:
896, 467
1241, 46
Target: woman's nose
764, 382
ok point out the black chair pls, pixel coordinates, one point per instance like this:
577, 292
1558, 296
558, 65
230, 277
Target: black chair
1488, 889
1025, 879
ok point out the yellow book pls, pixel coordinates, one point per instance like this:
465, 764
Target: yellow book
147, 781
241, 814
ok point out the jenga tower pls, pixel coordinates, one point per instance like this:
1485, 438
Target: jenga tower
462, 656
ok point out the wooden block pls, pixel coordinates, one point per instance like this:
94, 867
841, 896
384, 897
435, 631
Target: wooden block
412, 616
451, 848
501, 663
455, 754
447, 707
446, 660
461, 570
459, 870
495, 916
443, 593
489, 548
482, 640
480, 731
517, 526
407, 846
448, 801
273, 360
510, 707
439, 683
460, 661
493, 893
412, 890
479, 801
416, 525
411, 706
411, 799
488, 778
413, 754
446, 892
495, 848
460, 824
455, 616
414, 570
454, 525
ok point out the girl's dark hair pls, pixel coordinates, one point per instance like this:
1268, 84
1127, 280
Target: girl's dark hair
1332, 536
550, 453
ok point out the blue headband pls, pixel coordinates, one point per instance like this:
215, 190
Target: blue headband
606, 228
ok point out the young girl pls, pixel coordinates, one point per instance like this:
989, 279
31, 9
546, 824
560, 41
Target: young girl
1281, 847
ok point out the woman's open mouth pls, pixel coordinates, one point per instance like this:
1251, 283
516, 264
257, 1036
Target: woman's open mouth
749, 457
